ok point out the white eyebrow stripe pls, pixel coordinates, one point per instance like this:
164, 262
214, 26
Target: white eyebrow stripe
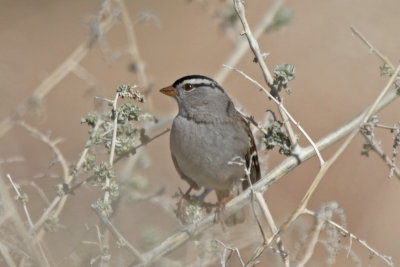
197, 81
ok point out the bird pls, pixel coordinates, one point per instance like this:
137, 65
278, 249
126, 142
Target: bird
211, 143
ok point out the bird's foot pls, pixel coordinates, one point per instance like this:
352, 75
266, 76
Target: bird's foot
192, 208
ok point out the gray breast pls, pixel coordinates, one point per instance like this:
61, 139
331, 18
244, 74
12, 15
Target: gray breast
202, 151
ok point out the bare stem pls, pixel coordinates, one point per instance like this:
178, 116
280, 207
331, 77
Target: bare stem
243, 46
121, 239
51, 144
385, 258
371, 47
259, 58
312, 241
284, 111
23, 201
329, 163
382, 154
179, 238
272, 226
61, 200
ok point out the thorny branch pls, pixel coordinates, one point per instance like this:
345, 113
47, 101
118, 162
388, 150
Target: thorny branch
239, 5
282, 108
23, 200
242, 46
183, 235
259, 58
375, 147
60, 200
121, 239
52, 144
303, 204
385, 258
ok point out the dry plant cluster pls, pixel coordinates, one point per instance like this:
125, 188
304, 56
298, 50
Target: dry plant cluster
121, 126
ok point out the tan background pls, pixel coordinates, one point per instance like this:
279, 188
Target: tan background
336, 77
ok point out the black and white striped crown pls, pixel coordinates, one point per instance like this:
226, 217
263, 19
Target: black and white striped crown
197, 81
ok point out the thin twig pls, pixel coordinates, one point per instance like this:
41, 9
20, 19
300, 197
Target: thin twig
61, 200
242, 45
52, 144
375, 147
303, 204
121, 239
11, 160
385, 258
312, 241
183, 235
112, 149
284, 111
268, 216
22, 199
224, 258
28, 217
259, 57
372, 49
240, 10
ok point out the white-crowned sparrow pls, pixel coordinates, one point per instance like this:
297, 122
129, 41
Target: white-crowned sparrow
209, 137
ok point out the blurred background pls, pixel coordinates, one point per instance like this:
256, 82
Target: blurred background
336, 78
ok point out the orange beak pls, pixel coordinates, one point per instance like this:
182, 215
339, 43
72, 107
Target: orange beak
170, 91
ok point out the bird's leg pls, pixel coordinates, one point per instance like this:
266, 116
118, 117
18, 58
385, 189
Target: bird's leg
204, 194
221, 217
187, 194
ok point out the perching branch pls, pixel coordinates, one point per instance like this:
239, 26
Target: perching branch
385, 258
182, 236
365, 117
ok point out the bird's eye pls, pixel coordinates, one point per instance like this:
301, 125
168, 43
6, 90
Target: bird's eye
188, 87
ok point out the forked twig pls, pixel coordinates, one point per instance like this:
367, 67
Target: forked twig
303, 204
28, 217
375, 147
242, 46
283, 109
240, 10
121, 239
52, 144
385, 258
183, 235
59, 201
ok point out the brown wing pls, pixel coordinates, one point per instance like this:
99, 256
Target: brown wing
251, 156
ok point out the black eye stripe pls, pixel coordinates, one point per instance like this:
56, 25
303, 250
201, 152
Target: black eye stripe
195, 85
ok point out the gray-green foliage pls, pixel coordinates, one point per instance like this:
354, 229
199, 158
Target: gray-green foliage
284, 73
275, 136
126, 118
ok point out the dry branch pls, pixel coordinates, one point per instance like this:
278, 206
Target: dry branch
178, 239
242, 45
51, 81
385, 258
